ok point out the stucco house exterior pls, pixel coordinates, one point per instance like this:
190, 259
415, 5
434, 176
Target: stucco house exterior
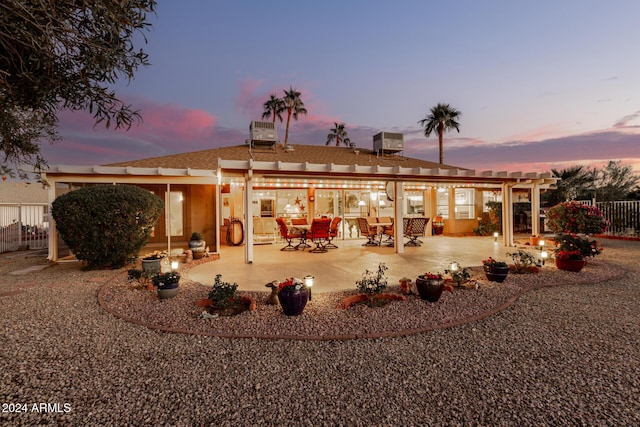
203, 190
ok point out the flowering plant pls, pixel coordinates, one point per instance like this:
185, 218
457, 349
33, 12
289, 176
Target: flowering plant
492, 263
574, 255
155, 255
572, 243
291, 284
373, 282
163, 279
430, 276
575, 217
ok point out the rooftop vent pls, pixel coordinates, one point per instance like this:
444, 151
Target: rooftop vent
263, 134
388, 142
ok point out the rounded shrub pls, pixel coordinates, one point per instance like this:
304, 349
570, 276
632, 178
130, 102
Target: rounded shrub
575, 217
105, 225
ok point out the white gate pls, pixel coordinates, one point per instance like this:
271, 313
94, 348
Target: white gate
24, 225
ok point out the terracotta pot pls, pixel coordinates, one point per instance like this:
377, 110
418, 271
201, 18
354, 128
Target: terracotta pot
429, 289
293, 302
574, 265
496, 274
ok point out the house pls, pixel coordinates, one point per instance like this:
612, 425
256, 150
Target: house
206, 189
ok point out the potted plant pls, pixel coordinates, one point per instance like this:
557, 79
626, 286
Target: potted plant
197, 245
572, 250
496, 271
151, 262
293, 296
167, 284
523, 262
372, 284
458, 275
430, 286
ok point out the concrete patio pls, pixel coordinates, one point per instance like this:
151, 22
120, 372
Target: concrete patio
339, 268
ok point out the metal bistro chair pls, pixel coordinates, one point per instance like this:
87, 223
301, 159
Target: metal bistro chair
416, 229
369, 232
319, 234
286, 235
333, 232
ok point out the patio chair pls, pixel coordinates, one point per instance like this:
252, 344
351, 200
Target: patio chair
299, 221
369, 232
333, 232
286, 235
405, 227
319, 234
416, 229
387, 230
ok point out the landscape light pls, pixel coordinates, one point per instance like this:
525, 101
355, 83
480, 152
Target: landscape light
308, 282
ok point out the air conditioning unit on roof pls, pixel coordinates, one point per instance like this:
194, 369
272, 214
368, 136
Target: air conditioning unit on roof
388, 142
263, 133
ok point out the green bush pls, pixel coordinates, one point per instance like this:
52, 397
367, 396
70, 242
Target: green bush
105, 225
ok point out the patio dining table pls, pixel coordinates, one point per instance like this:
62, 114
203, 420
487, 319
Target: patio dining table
380, 229
303, 229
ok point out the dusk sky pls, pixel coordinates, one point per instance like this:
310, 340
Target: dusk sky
541, 85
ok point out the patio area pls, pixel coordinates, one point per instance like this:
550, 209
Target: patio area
338, 269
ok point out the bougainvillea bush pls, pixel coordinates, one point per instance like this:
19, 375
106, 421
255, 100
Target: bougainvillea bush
575, 217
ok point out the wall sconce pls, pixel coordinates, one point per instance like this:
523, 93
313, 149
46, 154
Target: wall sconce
495, 236
308, 282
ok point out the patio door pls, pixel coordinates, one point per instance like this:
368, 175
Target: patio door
173, 218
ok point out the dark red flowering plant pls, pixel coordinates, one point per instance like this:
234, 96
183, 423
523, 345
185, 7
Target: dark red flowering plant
291, 284
491, 263
431, 276
567, 245
572, 255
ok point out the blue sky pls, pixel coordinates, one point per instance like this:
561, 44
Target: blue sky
540, 85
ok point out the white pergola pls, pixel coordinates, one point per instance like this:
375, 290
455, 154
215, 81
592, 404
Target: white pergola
249, 171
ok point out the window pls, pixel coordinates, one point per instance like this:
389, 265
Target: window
490, 196
414, 203
465, 203
175, 213
442, 203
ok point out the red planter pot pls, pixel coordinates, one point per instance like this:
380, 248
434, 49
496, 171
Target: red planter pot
496, 274
574, 265
429, 289
293, 302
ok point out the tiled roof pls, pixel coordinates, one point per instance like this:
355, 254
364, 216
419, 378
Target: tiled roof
208, 159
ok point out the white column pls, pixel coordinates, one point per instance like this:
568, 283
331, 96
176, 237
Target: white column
398, 231
167, 220
535, 209
53, 231
507, 214
248, 218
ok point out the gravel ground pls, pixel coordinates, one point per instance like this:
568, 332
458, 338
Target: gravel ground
560, 355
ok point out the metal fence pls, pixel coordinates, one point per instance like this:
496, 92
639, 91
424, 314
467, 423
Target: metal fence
24, 226
623, 216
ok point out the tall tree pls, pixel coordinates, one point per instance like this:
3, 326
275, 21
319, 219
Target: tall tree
616, 182
339, 134
294, 106
576, 182
441, 118
64, 55
274, 107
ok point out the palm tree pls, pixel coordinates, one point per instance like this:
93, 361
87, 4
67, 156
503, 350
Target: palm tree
442, 118
339, 134
294, 106
274, 107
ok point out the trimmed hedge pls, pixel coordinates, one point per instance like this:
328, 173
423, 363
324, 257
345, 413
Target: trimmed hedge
106, 225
